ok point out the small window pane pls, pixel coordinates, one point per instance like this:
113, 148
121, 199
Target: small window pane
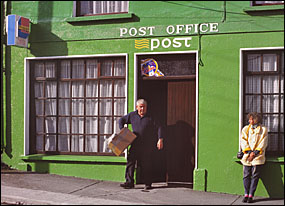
119, 68
282, 124
50, 107
253, 84
119, 107
64, 89
77, 125
39, 125
91, 125
64, 125
64, 107
271, 122
78, 69
106, 68
50, 144
50, 124
77, 107
39, 142
63, 143
77, 143
39, 69
50, 89
106, 88
272, 142
282, 62
86, 7
91, 143
105, 125
65, 69
92, 88
92, 69
254, 62
270, 103
78, 89
39, 89
105, 107
103, 144
270, 84
39, 107
92, 107
252, 103
116, 125
269, 62
119, 88
50, 70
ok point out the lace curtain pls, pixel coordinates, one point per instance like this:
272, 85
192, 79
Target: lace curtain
99, 112
103, 7
264, 90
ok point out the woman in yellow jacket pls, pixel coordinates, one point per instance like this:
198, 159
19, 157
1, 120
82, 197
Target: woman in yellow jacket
253, 142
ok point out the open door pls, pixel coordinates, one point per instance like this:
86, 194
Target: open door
172, 104
180, 140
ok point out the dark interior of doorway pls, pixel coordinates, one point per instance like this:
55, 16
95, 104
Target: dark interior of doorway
171, 102
175, 163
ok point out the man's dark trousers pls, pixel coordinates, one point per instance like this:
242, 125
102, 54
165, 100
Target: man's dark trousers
143, 156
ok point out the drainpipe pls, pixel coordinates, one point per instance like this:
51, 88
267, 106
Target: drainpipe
225, 12
2, 71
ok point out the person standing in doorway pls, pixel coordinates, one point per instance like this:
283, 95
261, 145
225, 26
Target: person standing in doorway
149, 136
253, 141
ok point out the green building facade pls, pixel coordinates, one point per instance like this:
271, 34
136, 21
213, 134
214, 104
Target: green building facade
62, 96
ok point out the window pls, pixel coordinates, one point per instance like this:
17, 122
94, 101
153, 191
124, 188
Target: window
262, 3
87, 8
264, 93
76, 104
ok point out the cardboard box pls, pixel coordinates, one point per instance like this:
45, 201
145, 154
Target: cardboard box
119, 142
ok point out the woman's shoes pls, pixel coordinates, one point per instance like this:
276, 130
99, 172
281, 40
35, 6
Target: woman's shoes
250, 200
247, 199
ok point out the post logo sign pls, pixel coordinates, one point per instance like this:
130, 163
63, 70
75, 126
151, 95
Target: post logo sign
18, 30
178, 42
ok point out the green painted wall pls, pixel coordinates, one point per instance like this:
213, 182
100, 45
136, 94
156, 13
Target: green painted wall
54, 32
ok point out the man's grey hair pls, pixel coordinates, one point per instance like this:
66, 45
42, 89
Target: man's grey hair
141, 101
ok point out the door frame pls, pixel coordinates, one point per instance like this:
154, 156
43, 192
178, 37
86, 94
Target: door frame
197, 88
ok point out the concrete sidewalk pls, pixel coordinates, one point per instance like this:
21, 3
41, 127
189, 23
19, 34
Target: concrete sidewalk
31, 188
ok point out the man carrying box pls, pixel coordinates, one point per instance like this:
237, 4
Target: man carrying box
149, 136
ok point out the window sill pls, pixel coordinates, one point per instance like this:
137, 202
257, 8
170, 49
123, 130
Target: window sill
99, 17
263, 8
268, 159
75, 158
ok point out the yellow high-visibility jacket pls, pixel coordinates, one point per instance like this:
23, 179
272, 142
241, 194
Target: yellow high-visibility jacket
254, 139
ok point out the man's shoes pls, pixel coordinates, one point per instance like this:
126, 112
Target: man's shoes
250, 200
147, 187
127, 185
245, 199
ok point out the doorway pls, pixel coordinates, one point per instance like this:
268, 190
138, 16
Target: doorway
172, 103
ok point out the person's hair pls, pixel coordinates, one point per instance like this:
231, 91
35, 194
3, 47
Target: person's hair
141, 101
256, 116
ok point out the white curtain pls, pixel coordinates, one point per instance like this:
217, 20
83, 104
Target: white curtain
72, 98
103, 7
270, 91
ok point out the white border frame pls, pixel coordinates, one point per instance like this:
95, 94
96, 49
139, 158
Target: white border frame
197, 88
241, 80
27, 87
